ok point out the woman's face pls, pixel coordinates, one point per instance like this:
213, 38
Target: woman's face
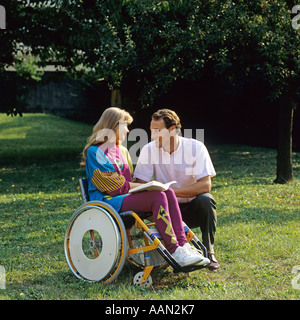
122, 131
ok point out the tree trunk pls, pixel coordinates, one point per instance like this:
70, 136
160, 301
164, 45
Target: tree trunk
284, 149
116, 98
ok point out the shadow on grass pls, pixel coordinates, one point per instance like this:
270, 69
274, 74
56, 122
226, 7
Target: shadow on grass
252, 214
41, 176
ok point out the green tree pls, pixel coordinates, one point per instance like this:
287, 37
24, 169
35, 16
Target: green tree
159, 42
30, 32
155, 43
279, 46
259, 39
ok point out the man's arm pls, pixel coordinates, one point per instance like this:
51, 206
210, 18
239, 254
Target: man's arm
202, 185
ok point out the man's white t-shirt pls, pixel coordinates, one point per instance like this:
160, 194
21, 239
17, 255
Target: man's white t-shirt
187, 164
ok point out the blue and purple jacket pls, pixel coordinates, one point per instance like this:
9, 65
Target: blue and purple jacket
109, 171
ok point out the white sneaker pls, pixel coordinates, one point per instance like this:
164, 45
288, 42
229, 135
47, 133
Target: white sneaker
185, 258
193, 251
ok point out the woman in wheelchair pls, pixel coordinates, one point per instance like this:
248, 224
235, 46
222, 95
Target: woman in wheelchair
109, 173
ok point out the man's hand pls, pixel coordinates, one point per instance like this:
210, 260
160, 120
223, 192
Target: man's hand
202, 185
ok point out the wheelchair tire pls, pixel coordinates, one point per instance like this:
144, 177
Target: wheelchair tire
96, 243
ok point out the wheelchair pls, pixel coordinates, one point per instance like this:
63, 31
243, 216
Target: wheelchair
99, 241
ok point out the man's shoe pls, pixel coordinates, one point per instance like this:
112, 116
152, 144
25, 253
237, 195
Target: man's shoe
213, 265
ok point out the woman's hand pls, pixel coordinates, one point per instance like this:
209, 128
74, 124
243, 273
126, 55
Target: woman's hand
134, 184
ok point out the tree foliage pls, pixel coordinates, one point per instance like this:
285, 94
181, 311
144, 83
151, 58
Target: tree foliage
156, 43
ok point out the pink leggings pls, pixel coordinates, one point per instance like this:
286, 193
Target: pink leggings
166, 213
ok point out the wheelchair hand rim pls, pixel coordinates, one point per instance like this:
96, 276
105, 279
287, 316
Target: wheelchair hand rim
116, 227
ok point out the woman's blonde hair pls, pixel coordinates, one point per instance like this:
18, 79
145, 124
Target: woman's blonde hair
106, 128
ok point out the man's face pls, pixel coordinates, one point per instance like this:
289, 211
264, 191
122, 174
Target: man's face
160, 134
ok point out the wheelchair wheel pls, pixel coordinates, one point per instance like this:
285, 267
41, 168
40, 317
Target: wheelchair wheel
96, 242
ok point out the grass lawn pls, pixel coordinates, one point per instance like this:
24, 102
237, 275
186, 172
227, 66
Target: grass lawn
257, 240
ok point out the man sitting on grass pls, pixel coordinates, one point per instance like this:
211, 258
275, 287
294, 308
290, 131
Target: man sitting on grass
171, 157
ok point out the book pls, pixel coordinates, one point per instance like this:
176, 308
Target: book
152, 185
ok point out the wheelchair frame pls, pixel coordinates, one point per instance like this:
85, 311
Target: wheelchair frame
116, 243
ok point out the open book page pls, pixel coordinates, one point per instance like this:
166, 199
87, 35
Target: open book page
152, 185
